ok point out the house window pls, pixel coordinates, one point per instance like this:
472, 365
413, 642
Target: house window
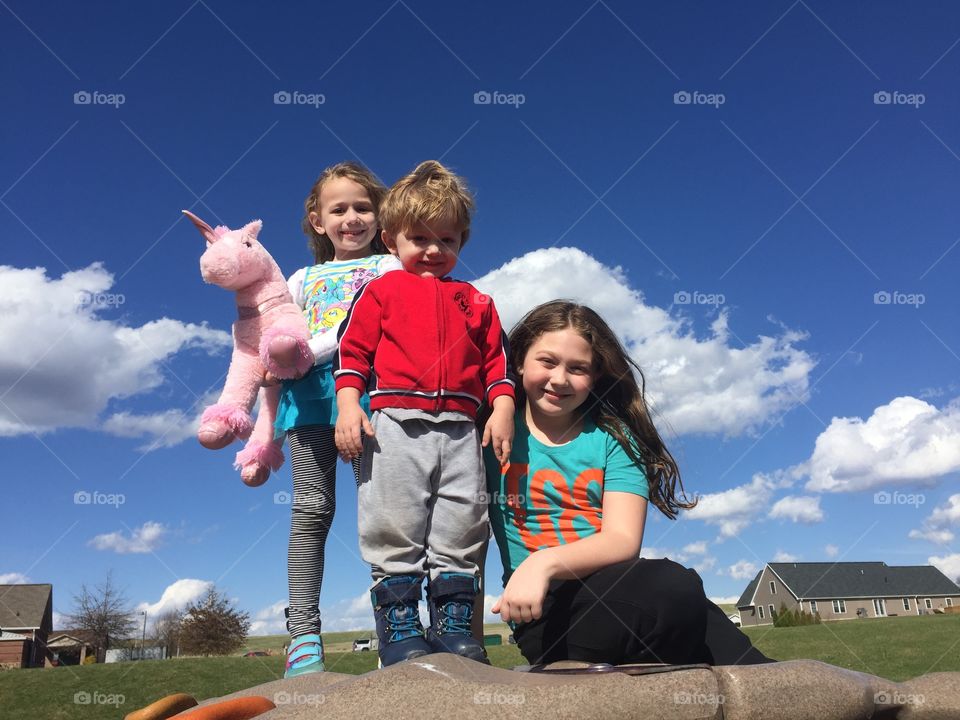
773, 613
760, 610
949, 602
880, 607
906, 603
773, 588
813, 606
839, 607
927, 604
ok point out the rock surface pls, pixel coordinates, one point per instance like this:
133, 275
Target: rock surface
446, 686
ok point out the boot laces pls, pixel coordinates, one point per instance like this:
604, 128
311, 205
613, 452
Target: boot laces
404, 622
455, 617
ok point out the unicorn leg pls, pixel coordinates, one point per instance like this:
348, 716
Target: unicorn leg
284, 352
230, 417
262, 453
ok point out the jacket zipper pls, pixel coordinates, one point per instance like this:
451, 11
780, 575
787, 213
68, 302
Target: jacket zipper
441, 335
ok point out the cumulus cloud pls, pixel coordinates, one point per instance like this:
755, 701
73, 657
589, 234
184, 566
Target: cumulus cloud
143, 539
350, 614
798, 509
696, 548
905, 441
742, 570
831, 551
698, 384
949, 565
176, 596
270, 620
732, 510
693, 555
14, 578
785, 557
935, 527
63, 360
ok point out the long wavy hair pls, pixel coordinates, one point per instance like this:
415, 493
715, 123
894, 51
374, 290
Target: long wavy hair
617, 402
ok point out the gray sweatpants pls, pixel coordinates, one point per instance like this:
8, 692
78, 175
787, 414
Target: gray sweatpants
421, 509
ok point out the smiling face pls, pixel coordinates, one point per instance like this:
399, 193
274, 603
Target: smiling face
557, 375
346, 216
427, 249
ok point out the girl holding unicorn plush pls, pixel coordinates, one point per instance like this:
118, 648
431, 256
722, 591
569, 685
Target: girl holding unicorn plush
276, 339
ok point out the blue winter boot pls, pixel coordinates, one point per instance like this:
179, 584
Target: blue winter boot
398, 619
451, 597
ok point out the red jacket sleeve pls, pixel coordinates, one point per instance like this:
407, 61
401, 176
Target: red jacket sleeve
497, 375
359, 336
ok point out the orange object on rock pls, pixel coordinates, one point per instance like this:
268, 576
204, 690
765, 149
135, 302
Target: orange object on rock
237, 709
164, 708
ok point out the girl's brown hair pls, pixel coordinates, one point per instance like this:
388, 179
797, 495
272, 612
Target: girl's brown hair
617, 403
319, 244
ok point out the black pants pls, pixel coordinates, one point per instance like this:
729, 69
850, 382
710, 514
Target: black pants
639, 611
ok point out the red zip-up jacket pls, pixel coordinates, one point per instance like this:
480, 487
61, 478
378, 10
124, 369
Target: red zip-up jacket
433, 344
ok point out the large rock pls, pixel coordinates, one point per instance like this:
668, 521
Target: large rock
446, 686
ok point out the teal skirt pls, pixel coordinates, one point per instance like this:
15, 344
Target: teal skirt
311, 400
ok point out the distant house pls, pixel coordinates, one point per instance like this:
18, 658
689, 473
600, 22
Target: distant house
846, 590
26, 618
72, 647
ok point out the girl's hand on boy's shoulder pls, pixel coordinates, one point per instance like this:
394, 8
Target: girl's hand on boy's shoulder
522, 599
499, 430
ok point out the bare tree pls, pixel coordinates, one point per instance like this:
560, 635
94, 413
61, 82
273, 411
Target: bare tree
166, 628
212, 626
103, 612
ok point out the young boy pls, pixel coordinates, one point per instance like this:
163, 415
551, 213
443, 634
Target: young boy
436, 351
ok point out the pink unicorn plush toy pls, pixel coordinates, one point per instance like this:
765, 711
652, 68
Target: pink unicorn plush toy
270, 334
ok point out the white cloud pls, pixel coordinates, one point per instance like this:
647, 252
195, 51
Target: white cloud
696, 548
729, 600
14, 578
354, 613
798, 509
907, 441
935, 527
143, 539
949, 565
176, 596
732, 510
699, 385
937, 537
785, 557
63, 362
270, 620
831, 551
742, 570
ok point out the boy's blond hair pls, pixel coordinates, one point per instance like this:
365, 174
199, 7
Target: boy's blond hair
431, 193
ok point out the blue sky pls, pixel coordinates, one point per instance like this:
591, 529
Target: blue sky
760, 196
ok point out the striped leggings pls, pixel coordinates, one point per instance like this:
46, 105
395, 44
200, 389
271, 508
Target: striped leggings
314, 459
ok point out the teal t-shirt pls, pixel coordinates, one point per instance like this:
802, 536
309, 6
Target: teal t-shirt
548, 496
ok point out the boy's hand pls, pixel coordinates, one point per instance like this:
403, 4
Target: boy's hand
499, 428
522, 599
350, 420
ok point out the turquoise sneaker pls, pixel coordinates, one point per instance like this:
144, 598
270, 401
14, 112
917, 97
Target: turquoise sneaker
305, 655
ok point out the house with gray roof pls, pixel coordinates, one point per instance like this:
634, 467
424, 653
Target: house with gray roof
846, 590
26, 619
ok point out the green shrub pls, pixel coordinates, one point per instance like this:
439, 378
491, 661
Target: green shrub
794, 617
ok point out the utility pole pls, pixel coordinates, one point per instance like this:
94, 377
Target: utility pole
143, 637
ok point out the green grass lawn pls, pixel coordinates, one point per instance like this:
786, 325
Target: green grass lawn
895, 648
